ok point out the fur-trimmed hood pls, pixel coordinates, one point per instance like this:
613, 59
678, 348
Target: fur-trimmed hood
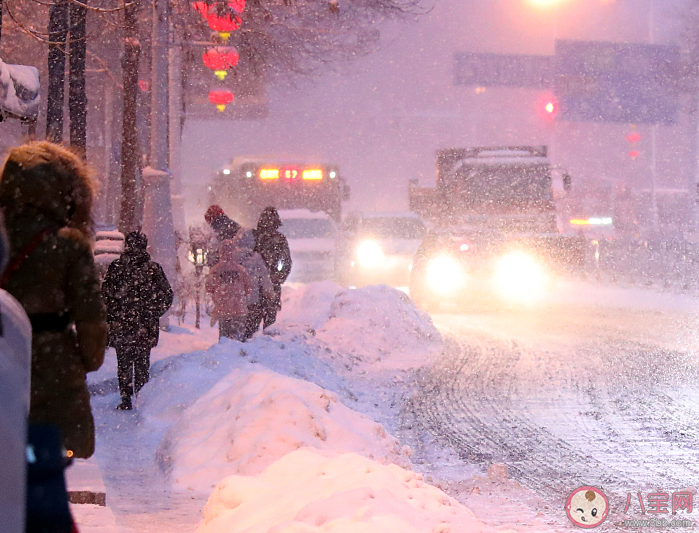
49, 180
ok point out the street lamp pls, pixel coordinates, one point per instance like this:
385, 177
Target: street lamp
197, 256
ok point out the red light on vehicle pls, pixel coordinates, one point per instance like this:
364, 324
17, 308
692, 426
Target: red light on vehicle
290, 173
313, 174
269, 173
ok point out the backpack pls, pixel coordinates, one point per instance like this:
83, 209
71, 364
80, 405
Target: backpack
231, 284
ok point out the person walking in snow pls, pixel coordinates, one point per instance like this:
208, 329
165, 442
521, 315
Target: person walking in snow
273, 246
137, 294
230, 286
224, 228
46, 196
262, 287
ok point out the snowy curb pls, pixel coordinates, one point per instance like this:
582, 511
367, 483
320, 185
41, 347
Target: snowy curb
85, 484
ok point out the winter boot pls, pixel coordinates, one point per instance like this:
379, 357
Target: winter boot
125, 404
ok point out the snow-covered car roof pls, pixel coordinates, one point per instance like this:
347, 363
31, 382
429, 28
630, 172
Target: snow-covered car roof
389, 214
19, 90
302, 213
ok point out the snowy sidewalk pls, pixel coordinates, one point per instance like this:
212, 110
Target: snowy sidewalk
88, 497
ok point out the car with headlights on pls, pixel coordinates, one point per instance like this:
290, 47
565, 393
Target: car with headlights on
475, 268
379, 248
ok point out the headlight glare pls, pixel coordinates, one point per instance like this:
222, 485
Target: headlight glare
520, 278
444, 274
369, 254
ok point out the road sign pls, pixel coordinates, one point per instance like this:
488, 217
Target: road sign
617, 82
489, 70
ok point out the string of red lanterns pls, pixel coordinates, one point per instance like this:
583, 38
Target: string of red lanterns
633, 138
223, 17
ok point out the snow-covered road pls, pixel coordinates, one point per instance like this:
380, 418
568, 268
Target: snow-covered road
573, 393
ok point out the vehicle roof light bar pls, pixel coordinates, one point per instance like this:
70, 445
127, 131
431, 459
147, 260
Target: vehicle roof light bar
314, 174
594, 221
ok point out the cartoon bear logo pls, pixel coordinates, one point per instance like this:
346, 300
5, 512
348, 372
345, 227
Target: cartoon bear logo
587, 507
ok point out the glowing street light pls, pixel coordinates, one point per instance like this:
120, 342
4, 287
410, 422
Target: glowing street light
544, 4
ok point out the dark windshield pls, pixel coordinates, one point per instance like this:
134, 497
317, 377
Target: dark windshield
307, 228
394, 227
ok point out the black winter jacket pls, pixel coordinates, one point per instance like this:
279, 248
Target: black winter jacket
274, 249
137, 294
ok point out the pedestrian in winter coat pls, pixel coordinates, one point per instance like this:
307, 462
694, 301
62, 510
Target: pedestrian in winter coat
262, 289
274, 249
137, 294
231, 287
46, 195
15, 367
224, 228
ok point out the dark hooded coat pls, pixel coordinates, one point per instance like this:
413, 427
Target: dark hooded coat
46, 192
273, 246
137, 294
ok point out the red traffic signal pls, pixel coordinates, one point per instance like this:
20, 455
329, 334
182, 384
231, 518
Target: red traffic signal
547, 107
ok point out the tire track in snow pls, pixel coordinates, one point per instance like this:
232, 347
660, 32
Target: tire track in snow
586, 428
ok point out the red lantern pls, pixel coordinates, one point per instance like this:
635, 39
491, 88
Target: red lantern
204, 8
633, 137
633, 154
221, 98
220, 59
224, 24
222, 17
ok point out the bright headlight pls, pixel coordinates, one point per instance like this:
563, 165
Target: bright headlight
369, 254
444, 274
520, 278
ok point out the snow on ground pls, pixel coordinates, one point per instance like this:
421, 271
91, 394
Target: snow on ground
219, 408
315, 492
253, 417
372, 328
214, 409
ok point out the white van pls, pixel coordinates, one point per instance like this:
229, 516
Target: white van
312, 241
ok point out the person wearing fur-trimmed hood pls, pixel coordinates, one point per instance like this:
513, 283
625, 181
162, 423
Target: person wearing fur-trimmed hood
46, 195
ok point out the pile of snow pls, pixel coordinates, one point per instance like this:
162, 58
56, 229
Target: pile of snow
19, 90
310, 492
307, 306
374, 326
252, 418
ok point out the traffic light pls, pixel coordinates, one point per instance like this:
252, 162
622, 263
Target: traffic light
547, 107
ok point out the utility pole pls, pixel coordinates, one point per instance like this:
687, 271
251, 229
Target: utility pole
77, 97
175, 134
157, 212
653, 138
58, 32
129, 137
